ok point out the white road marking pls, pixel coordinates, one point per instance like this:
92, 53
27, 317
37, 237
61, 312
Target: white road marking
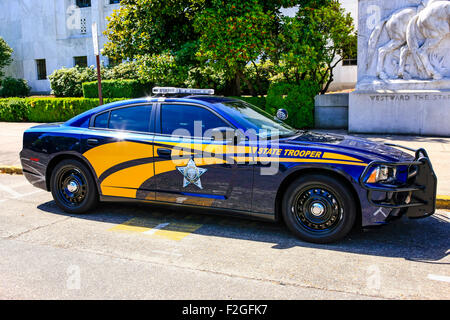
438, 278
19, 195
158, 227
9, 190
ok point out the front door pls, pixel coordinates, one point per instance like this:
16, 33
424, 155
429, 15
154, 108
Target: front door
192, 168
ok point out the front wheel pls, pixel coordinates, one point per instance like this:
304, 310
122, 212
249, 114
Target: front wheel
318, 208
73, 187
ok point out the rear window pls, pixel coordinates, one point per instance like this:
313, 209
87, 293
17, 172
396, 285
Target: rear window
136, 118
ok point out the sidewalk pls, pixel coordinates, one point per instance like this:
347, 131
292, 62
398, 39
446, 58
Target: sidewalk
438, 149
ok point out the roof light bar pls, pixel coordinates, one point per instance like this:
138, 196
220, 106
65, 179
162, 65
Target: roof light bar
172, 90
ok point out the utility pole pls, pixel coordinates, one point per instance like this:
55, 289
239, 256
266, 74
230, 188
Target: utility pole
97, 56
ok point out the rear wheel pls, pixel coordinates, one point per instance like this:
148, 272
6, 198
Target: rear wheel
73, 187
319, 208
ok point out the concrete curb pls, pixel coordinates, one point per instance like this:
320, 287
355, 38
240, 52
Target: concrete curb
10, 170
442, 202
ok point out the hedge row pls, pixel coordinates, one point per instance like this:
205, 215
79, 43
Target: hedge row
60, 109
298, 100
45, 109
117, 89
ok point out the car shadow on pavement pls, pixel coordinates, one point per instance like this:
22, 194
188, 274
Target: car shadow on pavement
422, 240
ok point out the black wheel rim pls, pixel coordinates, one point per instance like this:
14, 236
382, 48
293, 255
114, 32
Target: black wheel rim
72, 187
317, 209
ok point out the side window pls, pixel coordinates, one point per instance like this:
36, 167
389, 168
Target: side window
131, 119
101, 121
136, 118
192, 120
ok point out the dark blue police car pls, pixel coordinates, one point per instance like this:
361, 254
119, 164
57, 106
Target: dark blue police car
190, 148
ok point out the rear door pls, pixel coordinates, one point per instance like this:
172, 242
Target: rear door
191, 167
119, 148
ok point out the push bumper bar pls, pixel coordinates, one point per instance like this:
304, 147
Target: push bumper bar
416, 197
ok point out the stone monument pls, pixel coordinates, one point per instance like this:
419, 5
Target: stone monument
403, 68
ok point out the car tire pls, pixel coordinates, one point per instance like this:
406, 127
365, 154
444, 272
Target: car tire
319, 208
73, 187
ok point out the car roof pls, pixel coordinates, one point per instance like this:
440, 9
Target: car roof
82, 120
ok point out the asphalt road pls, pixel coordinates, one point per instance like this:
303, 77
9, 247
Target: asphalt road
148, 252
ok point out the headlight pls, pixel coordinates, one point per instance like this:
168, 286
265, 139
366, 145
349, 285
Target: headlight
382, 174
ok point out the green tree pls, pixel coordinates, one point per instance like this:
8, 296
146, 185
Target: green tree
311, 44
157, 34
5, 55
234, 34
141, 27
245, 42
161, 69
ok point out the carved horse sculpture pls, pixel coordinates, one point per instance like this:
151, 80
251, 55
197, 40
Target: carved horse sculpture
396, 26
433, 25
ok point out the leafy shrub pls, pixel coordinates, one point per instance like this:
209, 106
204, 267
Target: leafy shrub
14, 88
15, 109
124, 70
297, 99
117, 89
45, 109
68, 82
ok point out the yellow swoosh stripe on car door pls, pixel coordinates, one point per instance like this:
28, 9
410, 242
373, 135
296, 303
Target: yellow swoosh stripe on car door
125, 182
132, 178
108, 155
276, 159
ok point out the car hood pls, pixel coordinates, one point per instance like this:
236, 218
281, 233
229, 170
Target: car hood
349, 144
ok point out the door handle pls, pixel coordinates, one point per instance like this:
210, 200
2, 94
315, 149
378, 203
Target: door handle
92, 142
164, 153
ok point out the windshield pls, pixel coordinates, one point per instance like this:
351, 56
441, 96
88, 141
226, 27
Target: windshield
251, 117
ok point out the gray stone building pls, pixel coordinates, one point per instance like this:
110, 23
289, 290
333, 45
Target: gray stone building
49, 34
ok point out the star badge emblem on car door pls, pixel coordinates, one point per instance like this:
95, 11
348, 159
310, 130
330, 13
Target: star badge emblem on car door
191, 174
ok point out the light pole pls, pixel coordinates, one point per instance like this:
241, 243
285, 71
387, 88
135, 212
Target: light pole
97, 56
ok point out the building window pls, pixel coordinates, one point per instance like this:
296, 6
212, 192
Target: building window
114, 1
41, 69
83, 3
350, 56
80, 61
350, 62
83, 26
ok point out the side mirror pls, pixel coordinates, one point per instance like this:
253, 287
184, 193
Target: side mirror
282, 114
226, 134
